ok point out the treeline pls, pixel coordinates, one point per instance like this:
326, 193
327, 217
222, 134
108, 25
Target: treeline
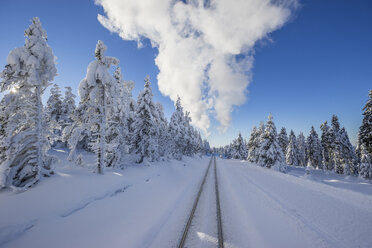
106, 121
332, 151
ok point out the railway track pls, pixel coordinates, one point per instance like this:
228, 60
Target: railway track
218, 206
195, 205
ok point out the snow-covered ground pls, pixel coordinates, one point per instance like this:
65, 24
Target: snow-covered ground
134, 207
148, 206
265, 208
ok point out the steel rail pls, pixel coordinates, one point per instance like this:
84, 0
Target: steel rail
189, 221
218, 206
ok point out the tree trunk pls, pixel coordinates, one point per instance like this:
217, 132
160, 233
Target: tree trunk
38, 126
101, 134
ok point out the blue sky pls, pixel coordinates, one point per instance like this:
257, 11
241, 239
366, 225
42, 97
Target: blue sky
318, 64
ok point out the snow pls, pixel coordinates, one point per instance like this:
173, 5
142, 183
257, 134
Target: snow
76, 208
148, 206
293, 210
28, 73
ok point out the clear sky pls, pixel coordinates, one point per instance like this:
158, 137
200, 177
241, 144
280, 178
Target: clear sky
316, 65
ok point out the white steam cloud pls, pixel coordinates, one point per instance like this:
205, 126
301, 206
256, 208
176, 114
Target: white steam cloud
205, 47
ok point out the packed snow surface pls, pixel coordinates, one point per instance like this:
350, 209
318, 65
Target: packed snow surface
266, 208
148, 206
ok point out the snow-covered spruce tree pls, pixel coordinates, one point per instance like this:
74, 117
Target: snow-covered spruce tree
96, 98
254, 143
53, 114
145, 134
348, 154
251, 143
164, 136
177, 131
54, 104
118, 114
239, 150
130, 111
326, 142
365, 130
207, 147
222, 150
301, 149
189, 136
227, 151
343, 155
313, 150
200, 144
194, 140
336, 150
365, 166
116, 121
78, 135
283, 139
193, 147
68, 108
270, 152
28, 72
291, 156
125, 108
68, 104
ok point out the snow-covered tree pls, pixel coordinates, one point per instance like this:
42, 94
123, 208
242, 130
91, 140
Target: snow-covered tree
28, 72
91, 116
301, 149
68, 108
270, 153
54, 104
365, 130
239, 149
283, 139
313, 150
116, 121
189, 146
130, 112
254, 143
145, 127
164, 136
326, 142
365, 166
177, 131
251, 143
123, 117
200, 144
348, 154
207, 147
68, 103
195, 141
342, 152
53, 113
292, 155
336, 146
227, 152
